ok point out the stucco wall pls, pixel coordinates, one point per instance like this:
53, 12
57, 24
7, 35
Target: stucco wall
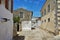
26, 25
6, 28
50, 26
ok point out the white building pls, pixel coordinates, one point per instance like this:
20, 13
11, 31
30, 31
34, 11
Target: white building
32, 24
26, 25
6, 20
36, 22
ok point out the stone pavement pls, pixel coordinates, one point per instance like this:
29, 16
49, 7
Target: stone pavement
19, 38
37, 34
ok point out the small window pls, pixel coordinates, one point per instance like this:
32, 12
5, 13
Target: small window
58, 8
6, 4
58, 24
58, 12
48, 19
44, 20
32, 28
58, 16
45, 12
58, 20
49, 8
0, 1
42, 13
21, 14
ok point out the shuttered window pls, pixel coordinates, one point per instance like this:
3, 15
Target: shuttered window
6, 4
11, 6
0, 1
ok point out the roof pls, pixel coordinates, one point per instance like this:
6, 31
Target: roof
23, 9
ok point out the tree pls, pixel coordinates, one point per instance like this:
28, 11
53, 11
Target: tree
16, 19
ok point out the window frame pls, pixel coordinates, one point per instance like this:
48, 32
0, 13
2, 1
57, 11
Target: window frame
44, 11
44, 20
48, 19
6, 4
0, 1
21, 14
48, 7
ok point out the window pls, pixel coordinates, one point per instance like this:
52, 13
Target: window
58, 8
48, 19
42, 13
0, 1
45, 12
49, 8
58, 16
6, 4
21, 14
58, 12
44, 20
58, 3
11, 6
58, 24
58, 20
32, 28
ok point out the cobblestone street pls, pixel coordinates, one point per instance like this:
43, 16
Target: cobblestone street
37, 34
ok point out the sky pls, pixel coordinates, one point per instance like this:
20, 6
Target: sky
31, 5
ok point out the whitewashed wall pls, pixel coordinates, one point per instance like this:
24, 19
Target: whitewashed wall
39, 23
6, 28
26, 25
36, 24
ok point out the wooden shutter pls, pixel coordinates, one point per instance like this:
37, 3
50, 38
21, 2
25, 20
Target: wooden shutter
0, 1
11, 6
6, 4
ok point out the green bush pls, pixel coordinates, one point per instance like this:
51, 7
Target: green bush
16, 19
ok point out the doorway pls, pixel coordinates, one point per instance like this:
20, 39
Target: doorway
17, 27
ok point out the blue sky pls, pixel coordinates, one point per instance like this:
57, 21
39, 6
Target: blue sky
32, 5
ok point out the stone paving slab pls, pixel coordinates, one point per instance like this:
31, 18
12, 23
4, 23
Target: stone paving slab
37, 34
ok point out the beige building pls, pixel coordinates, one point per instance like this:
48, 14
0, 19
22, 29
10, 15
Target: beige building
51, 16
24, 15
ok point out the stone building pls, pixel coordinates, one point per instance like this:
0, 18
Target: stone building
51, 16
6, 19
24, 15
